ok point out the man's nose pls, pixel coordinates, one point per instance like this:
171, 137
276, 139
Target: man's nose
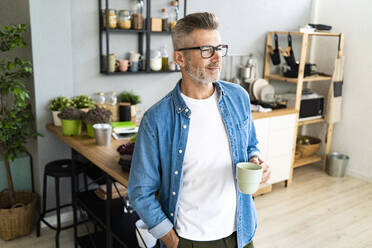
216, 57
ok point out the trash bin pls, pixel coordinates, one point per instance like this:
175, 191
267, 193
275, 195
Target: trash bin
336, 164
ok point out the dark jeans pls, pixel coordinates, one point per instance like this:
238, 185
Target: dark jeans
228, 242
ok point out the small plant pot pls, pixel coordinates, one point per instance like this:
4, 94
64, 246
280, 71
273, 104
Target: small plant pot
56, 120
90, 130
71, 127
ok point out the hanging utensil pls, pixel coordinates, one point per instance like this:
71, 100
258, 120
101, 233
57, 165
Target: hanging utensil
274, 54
290, 59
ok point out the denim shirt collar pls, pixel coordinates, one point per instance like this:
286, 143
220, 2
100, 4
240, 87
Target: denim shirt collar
180, 103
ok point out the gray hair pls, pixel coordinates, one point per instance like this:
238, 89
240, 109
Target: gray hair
191, 22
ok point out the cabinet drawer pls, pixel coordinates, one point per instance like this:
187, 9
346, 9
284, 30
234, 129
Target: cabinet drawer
280, 168
281, 122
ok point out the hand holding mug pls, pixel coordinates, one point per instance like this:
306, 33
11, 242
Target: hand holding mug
266, 173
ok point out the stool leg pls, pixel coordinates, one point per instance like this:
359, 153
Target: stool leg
58, 211
42, 212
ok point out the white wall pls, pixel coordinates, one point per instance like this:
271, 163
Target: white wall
53, 75
66, 51
243, 25
352, 136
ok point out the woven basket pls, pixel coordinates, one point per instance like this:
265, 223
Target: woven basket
17, 221
308, 150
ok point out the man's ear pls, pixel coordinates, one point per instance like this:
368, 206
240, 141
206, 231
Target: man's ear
179, 58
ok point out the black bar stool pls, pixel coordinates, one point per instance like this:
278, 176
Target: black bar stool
57, 169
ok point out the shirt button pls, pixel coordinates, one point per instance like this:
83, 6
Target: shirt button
184, 126
171, 214
179, 109
176, 172
173, 193
186, 110
180, 151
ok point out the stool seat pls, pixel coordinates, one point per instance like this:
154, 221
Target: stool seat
62, 168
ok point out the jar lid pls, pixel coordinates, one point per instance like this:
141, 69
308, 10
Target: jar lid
100, 93
174, 3
163, 10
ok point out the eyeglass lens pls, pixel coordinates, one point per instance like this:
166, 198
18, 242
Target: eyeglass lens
208, 51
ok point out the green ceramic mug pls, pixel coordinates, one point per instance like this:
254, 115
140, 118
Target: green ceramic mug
249, 176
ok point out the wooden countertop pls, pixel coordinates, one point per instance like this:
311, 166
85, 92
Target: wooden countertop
105, 157
277, 112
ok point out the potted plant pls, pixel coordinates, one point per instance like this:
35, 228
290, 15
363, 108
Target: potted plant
71, 121
94, 116
17, 209
130, 98
83, 102
57, 105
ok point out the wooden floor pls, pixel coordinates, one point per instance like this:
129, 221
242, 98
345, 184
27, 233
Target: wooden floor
316, 211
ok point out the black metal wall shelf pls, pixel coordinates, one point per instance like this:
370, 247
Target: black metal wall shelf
146, 31
134, 73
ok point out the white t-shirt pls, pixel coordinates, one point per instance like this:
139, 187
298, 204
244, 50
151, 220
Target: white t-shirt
207, 205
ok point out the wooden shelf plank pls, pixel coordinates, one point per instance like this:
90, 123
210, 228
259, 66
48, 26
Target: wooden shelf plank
310, 34
307, 160
276, 112
294, 80
319, 120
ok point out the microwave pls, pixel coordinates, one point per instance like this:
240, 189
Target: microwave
312, 105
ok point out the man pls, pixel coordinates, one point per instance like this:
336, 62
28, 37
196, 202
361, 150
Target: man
188, 146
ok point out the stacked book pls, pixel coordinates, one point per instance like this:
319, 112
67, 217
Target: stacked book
123, 130
101, 191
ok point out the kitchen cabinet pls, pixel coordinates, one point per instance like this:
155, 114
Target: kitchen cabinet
275, 136
300, 80
144, 39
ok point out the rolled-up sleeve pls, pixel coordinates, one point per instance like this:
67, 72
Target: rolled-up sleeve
144, 181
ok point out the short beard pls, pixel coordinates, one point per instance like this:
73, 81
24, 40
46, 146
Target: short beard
197, 74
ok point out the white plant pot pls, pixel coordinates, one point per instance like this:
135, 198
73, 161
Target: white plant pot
56, 119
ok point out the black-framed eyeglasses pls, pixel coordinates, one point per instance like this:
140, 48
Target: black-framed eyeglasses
208, 51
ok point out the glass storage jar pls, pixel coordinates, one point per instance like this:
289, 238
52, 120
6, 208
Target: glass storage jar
124, 19
137, 14
173, 15
99, 98
111, 98
155, 60
111, 18
164, 20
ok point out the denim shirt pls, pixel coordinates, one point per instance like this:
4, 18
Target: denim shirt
159, 153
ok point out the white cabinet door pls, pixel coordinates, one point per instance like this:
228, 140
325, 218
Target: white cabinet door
280, 146
280, 168
283, 121
281, 142
262, 133
275, 137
